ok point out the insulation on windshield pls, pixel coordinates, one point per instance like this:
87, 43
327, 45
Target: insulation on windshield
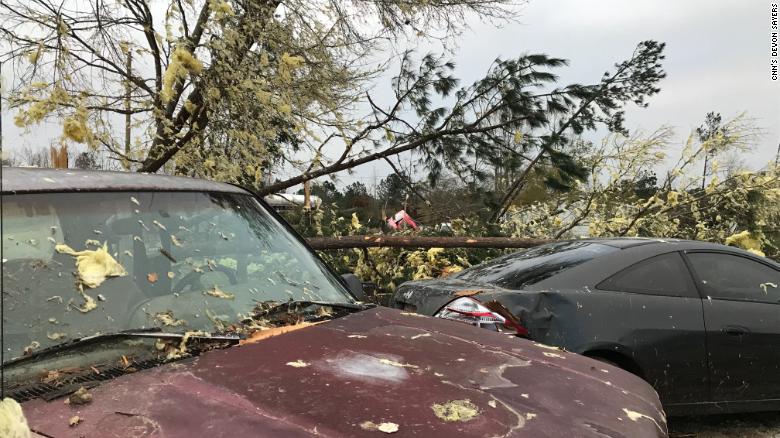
94, 266
85, 263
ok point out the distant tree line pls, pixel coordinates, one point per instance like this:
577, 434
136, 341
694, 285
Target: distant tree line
42, 158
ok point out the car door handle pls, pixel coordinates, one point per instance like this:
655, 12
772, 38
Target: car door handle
735, 330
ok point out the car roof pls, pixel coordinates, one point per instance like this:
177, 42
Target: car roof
36, 180
653, 244
603, 266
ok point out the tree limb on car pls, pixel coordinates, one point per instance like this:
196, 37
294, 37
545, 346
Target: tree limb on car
346, 242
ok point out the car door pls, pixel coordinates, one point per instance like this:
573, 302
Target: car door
742, 315
662, 323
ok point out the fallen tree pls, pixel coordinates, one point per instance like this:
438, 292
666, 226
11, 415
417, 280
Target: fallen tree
347, 242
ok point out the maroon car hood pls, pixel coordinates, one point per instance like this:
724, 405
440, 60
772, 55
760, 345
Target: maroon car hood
379, 366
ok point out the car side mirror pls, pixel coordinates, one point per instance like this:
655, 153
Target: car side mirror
355, 286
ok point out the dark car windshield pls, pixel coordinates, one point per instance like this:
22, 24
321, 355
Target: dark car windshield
528, 267
77, 264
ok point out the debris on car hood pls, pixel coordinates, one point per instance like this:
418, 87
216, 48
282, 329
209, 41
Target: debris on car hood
12, 421
367, 373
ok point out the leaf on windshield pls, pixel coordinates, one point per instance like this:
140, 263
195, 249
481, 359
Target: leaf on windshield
151, 277
89, 302
93, 266
55, 336
29, 349
218, 293
167, 318
310, 294
219, 324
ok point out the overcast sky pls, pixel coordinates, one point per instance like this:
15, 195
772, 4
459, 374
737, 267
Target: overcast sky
717, 59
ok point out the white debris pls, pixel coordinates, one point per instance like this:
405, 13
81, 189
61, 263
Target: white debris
13, 424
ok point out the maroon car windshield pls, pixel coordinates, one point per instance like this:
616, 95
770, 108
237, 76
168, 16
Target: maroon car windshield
77, 264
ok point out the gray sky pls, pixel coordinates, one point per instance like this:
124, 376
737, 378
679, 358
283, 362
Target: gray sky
717, 59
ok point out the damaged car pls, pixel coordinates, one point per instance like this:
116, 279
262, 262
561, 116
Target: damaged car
699, 321
142, 305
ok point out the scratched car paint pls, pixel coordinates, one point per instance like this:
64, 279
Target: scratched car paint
351, 372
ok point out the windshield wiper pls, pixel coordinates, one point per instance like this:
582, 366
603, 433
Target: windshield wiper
152, 332
295, 306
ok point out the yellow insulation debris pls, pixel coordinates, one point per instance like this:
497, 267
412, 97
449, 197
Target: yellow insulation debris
456, 410
13, 424
382, 427
93, 266
218, 293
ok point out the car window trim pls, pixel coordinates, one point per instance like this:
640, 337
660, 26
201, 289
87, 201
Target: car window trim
697, 279
692, 289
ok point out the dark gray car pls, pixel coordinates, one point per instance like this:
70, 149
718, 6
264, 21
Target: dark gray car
699, 321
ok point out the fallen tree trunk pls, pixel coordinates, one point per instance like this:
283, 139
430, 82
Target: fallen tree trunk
346, 242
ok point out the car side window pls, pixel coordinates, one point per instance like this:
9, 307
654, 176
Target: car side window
734, 277
664, 275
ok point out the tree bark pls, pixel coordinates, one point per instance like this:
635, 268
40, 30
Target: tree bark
307, 196
344, 164
347, 242
128, 116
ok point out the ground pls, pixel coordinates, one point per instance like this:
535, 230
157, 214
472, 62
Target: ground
757, 425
